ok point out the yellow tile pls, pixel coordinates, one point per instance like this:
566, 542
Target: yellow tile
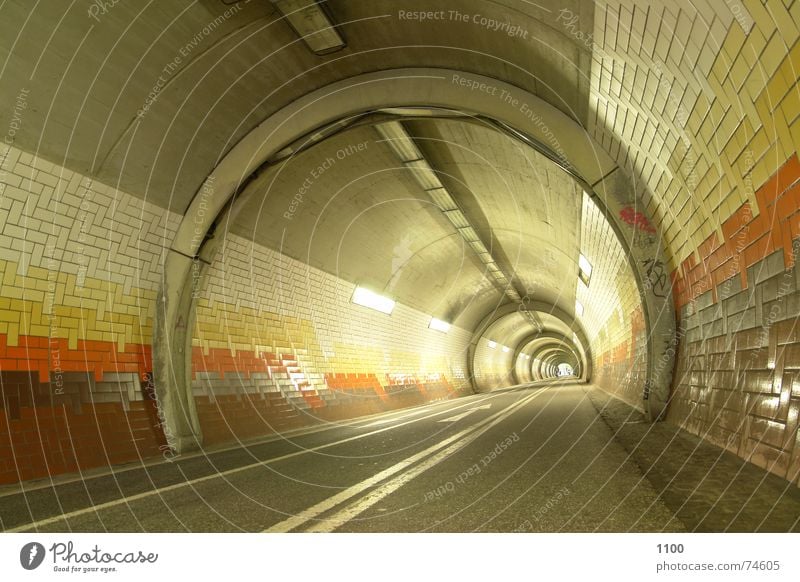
776, 88
10, 273
763, 20
790, 106
795, 130
12, 332
39, 330
10, 316
786, 27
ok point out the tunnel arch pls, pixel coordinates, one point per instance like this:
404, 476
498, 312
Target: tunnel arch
495, 366
217, 202
529, 347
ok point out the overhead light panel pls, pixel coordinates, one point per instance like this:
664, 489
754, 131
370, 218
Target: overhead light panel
457, 218
424, 174
492, 344
442, 199
404, 148
469, 234
578, 308
366, 298
584, 269
400, 142
506, 349
499, 276
311, 21
439, 325
478, 247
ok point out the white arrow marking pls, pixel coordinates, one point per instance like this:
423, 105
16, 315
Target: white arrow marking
467, 413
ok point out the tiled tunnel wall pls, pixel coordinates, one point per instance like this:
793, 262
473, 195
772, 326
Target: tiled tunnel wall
738, 373
701, 104
491, 365
80, 267
277, 341
79, 273
613, 317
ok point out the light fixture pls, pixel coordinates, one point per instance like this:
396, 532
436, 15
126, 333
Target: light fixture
584, 269
468, 234
366, 298
442, 199
479, 248
456, 217
311, 21
439, 325
424, 174
400, 142
404, 148
578, 308
506, 349
492, 344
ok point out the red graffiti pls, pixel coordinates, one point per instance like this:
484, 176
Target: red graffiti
636, 219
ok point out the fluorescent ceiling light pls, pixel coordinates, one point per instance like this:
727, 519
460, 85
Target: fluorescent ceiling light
506, 349
584, 264
499, 276
367, 298
457, 218
478, 247
439, 325
584, 269
578, 308
424, 174
400, 142
311, 22
492, 344
468, 233
442, 199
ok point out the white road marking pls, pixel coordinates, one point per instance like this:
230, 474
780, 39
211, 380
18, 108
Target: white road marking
414, 412
465, 414
126, 500
459, 441
346, 514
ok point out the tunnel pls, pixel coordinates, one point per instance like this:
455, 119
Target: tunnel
311, 263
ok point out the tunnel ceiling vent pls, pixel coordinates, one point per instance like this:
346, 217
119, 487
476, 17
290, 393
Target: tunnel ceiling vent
311, 22
412, 158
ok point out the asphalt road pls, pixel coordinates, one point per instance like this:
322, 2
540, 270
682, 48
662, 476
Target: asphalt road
532, 458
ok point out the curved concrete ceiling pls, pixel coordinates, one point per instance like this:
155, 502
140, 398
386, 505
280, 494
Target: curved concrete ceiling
348, 206
111, 92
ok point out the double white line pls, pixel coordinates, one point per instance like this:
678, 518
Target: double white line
429, 457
